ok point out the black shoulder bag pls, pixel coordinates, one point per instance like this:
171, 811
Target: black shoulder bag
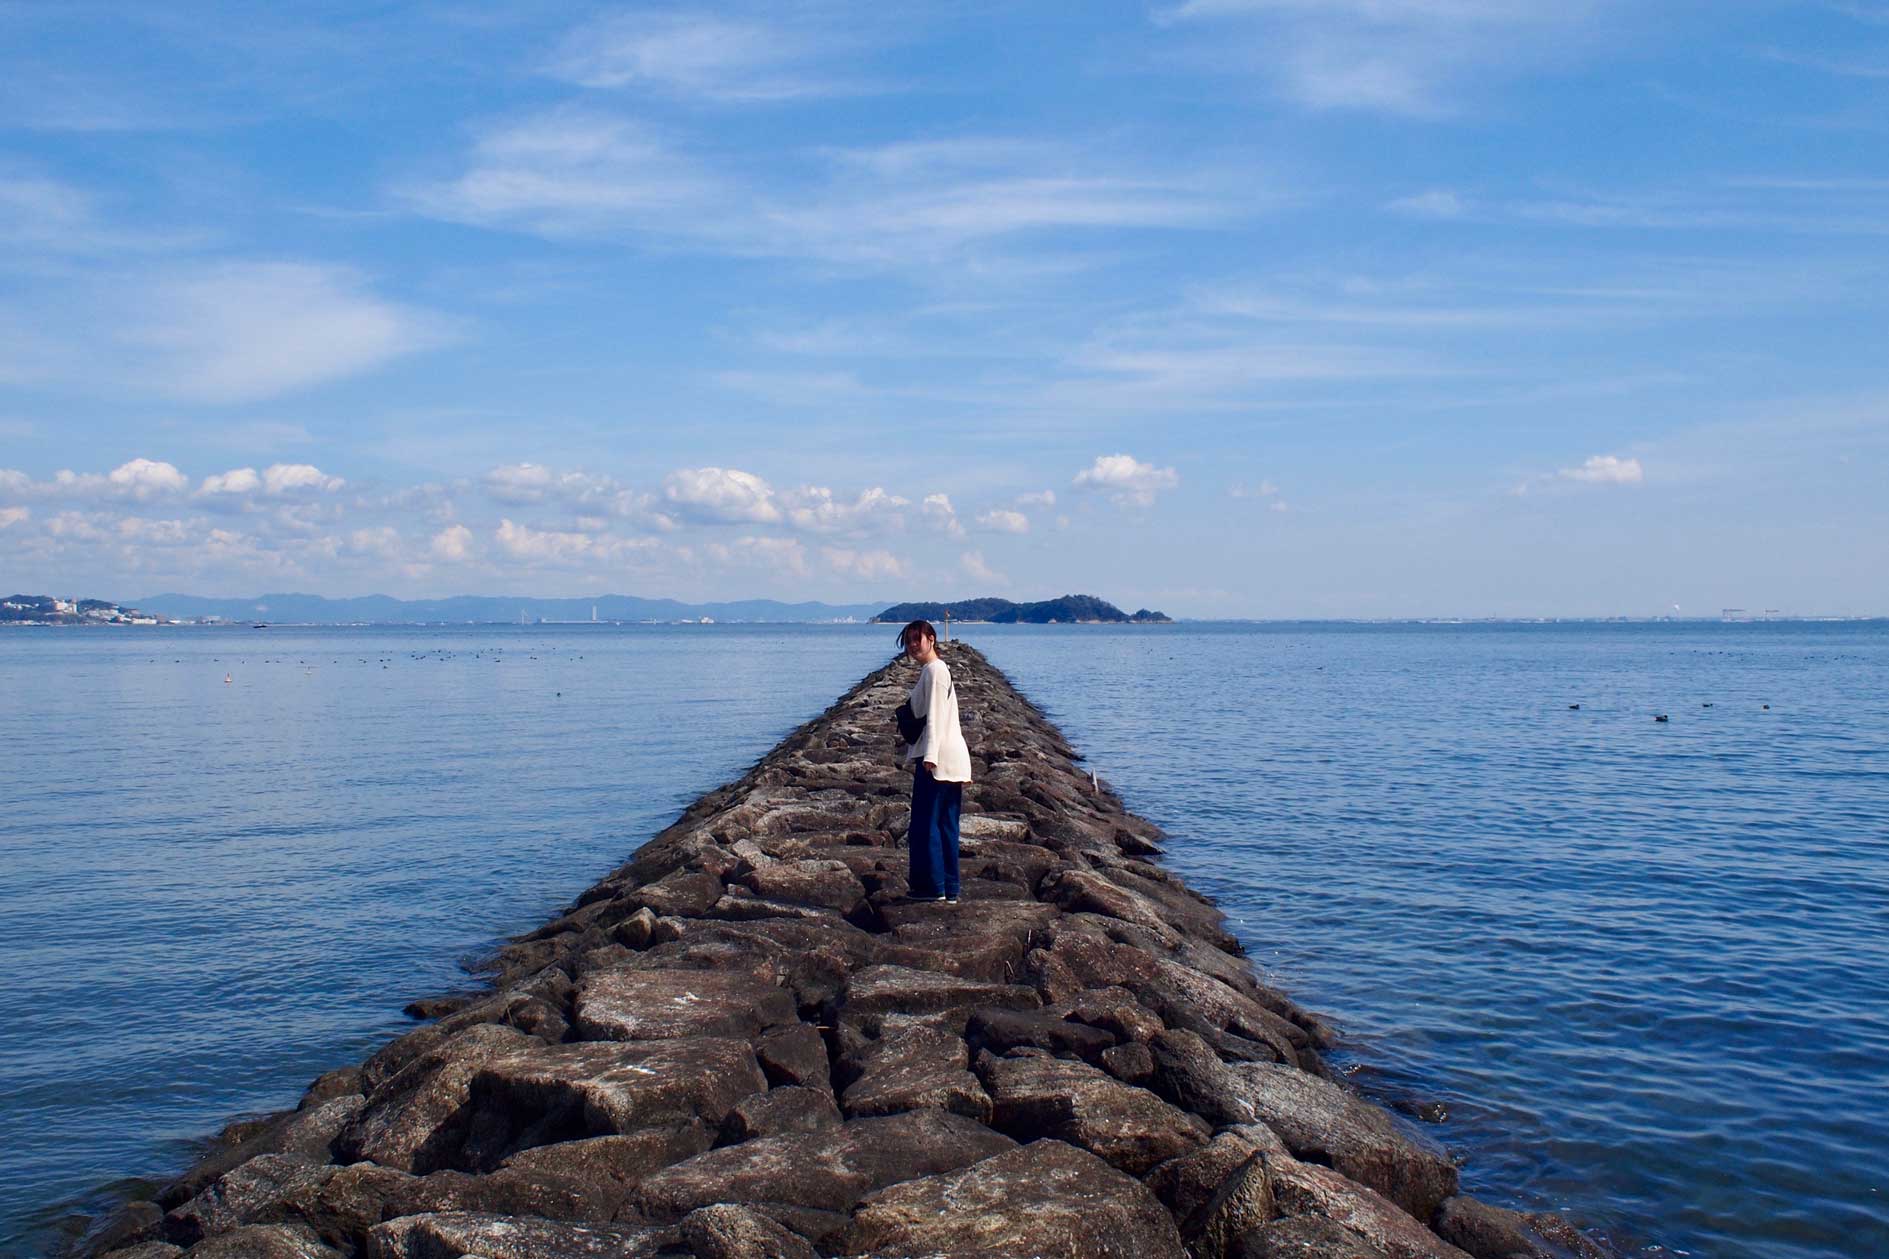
911, 725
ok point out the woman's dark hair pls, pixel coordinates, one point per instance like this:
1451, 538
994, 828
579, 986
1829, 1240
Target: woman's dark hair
923, 627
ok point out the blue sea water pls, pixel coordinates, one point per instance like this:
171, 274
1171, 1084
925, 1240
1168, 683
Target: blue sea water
1643, 966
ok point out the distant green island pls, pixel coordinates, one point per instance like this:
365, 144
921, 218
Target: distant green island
1068, 610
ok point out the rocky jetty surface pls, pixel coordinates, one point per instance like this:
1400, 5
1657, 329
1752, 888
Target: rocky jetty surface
747, 1043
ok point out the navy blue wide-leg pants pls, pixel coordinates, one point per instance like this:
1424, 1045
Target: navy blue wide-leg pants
933, 836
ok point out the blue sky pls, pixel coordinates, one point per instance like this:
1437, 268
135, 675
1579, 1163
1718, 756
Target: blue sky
1227, 307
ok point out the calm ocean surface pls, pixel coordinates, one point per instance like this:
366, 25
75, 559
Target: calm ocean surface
1644, 967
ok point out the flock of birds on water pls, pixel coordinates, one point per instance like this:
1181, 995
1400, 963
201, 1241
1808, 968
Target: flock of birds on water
1663, 718
495, 654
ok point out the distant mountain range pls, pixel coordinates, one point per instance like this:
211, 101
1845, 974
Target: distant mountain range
1066, 610
303, 609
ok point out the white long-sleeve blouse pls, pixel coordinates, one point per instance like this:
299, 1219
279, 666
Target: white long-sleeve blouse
942, 743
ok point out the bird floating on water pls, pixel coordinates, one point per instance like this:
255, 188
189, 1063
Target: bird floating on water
1662, 717
1574, 708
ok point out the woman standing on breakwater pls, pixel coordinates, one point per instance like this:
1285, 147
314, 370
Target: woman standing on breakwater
941, 765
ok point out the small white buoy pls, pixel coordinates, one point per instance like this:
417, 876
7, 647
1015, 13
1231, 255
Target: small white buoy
227, 679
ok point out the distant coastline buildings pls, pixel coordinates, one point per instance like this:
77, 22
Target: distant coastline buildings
50, 610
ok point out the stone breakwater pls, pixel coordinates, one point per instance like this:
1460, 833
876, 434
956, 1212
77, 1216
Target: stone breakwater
746, 1042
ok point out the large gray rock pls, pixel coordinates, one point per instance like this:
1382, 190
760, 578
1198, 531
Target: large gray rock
1185, 1183
1190, 1074
1046, 1200
683, 894
269, 1189
1093, 960
1491, 1232
262, 1241
624, 1158
880, 990
1186, 997
564, 1092
1320, 1121
827, 884
795, 1054
1081, 891
829, 1170
1001, 1030
1114, 1010
535, 1005
416, 1120
353, 1200
1308, 1189
1304, 1237
662, 1004
727, 1231
518, 1191
914, 1067
1129, 1127
975, 939
778, 1112
308, 1132
1315, 1118
451, 1235
128, 1224
1241, 1204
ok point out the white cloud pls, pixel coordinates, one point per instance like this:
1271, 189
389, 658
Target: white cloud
869, 565
721, 495
452, 545
1437, 203
1040, 498
380, 541
138, 479
1126, 480
235, 481
1216, 373
816, 509
1605, 470
999, 520
575, 172
46, 215
10, 516
522, 484
521, 542
243, 331
780, 554
534, 483
688, 55
154, 532
972, 562
1265, 489
77, 526
941, 516
1398, 56
288, 478
148, 478
924, 201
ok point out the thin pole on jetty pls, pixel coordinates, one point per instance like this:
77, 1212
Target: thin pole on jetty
746, 1041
